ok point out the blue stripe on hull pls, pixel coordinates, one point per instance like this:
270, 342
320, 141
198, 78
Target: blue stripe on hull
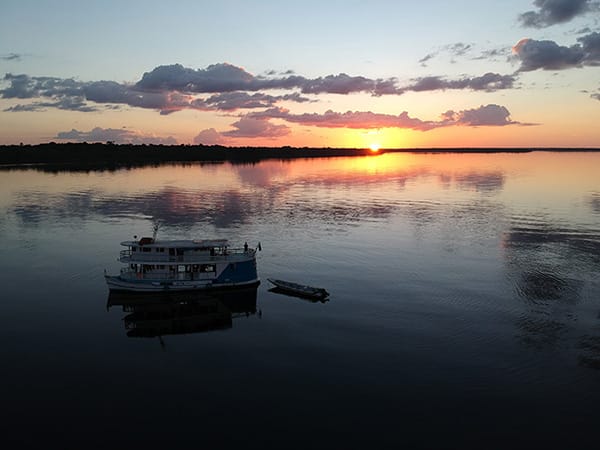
238, 272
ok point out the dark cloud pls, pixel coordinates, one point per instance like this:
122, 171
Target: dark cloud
215, 78
459, 49
116, 135
488, 115
426, 58
173, 88
112, 92
346, 84
223, 77
548, 55
226, 78
488, 82
24, 86
66, 94
590, 44
65, 103
229, 101
551, 12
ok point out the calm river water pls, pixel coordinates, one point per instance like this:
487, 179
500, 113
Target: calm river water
464, 308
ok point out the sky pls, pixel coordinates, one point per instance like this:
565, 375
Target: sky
391, 74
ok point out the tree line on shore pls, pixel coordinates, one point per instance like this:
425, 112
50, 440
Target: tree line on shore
111, 155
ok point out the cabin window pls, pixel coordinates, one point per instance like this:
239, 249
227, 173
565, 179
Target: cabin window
160, 249
146, 249
208, 268
172, 251
134, 249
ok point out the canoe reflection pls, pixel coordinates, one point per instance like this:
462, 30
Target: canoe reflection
155, 315
277, 290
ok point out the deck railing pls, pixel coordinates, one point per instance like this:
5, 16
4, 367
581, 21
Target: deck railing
126, 272
127, 256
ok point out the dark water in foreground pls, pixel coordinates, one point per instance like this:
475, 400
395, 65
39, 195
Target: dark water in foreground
464, 311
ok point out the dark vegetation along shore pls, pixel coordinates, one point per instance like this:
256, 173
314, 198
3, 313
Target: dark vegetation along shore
73, 156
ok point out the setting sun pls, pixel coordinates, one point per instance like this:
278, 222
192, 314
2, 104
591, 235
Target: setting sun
374, 147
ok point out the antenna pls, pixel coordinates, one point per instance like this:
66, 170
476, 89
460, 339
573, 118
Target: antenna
155, 228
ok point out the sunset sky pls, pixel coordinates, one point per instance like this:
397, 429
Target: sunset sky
516, 73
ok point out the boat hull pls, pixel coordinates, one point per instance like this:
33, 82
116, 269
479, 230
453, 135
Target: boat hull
116, 283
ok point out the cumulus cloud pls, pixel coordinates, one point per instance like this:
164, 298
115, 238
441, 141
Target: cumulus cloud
551, 12
116, 135
252, 127
246, 127
488, 115
210, 136
548, 55
215, 78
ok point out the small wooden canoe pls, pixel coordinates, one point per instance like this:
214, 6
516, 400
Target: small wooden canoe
300, 290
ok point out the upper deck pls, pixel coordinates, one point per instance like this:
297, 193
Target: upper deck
147, 250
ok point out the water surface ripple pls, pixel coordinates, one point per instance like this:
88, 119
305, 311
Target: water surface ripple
464, 309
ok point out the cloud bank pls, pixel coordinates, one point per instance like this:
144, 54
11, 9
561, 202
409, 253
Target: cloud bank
226, 89
115, 135
488, 115
219, 87
258, 124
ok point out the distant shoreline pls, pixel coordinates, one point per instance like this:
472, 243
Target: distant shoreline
107, 155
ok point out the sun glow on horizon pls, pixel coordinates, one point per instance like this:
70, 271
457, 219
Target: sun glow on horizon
374, 147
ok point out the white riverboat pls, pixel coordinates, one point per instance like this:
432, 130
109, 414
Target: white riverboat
155, 265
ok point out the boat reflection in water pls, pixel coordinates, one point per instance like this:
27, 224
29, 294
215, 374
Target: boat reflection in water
160, 314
